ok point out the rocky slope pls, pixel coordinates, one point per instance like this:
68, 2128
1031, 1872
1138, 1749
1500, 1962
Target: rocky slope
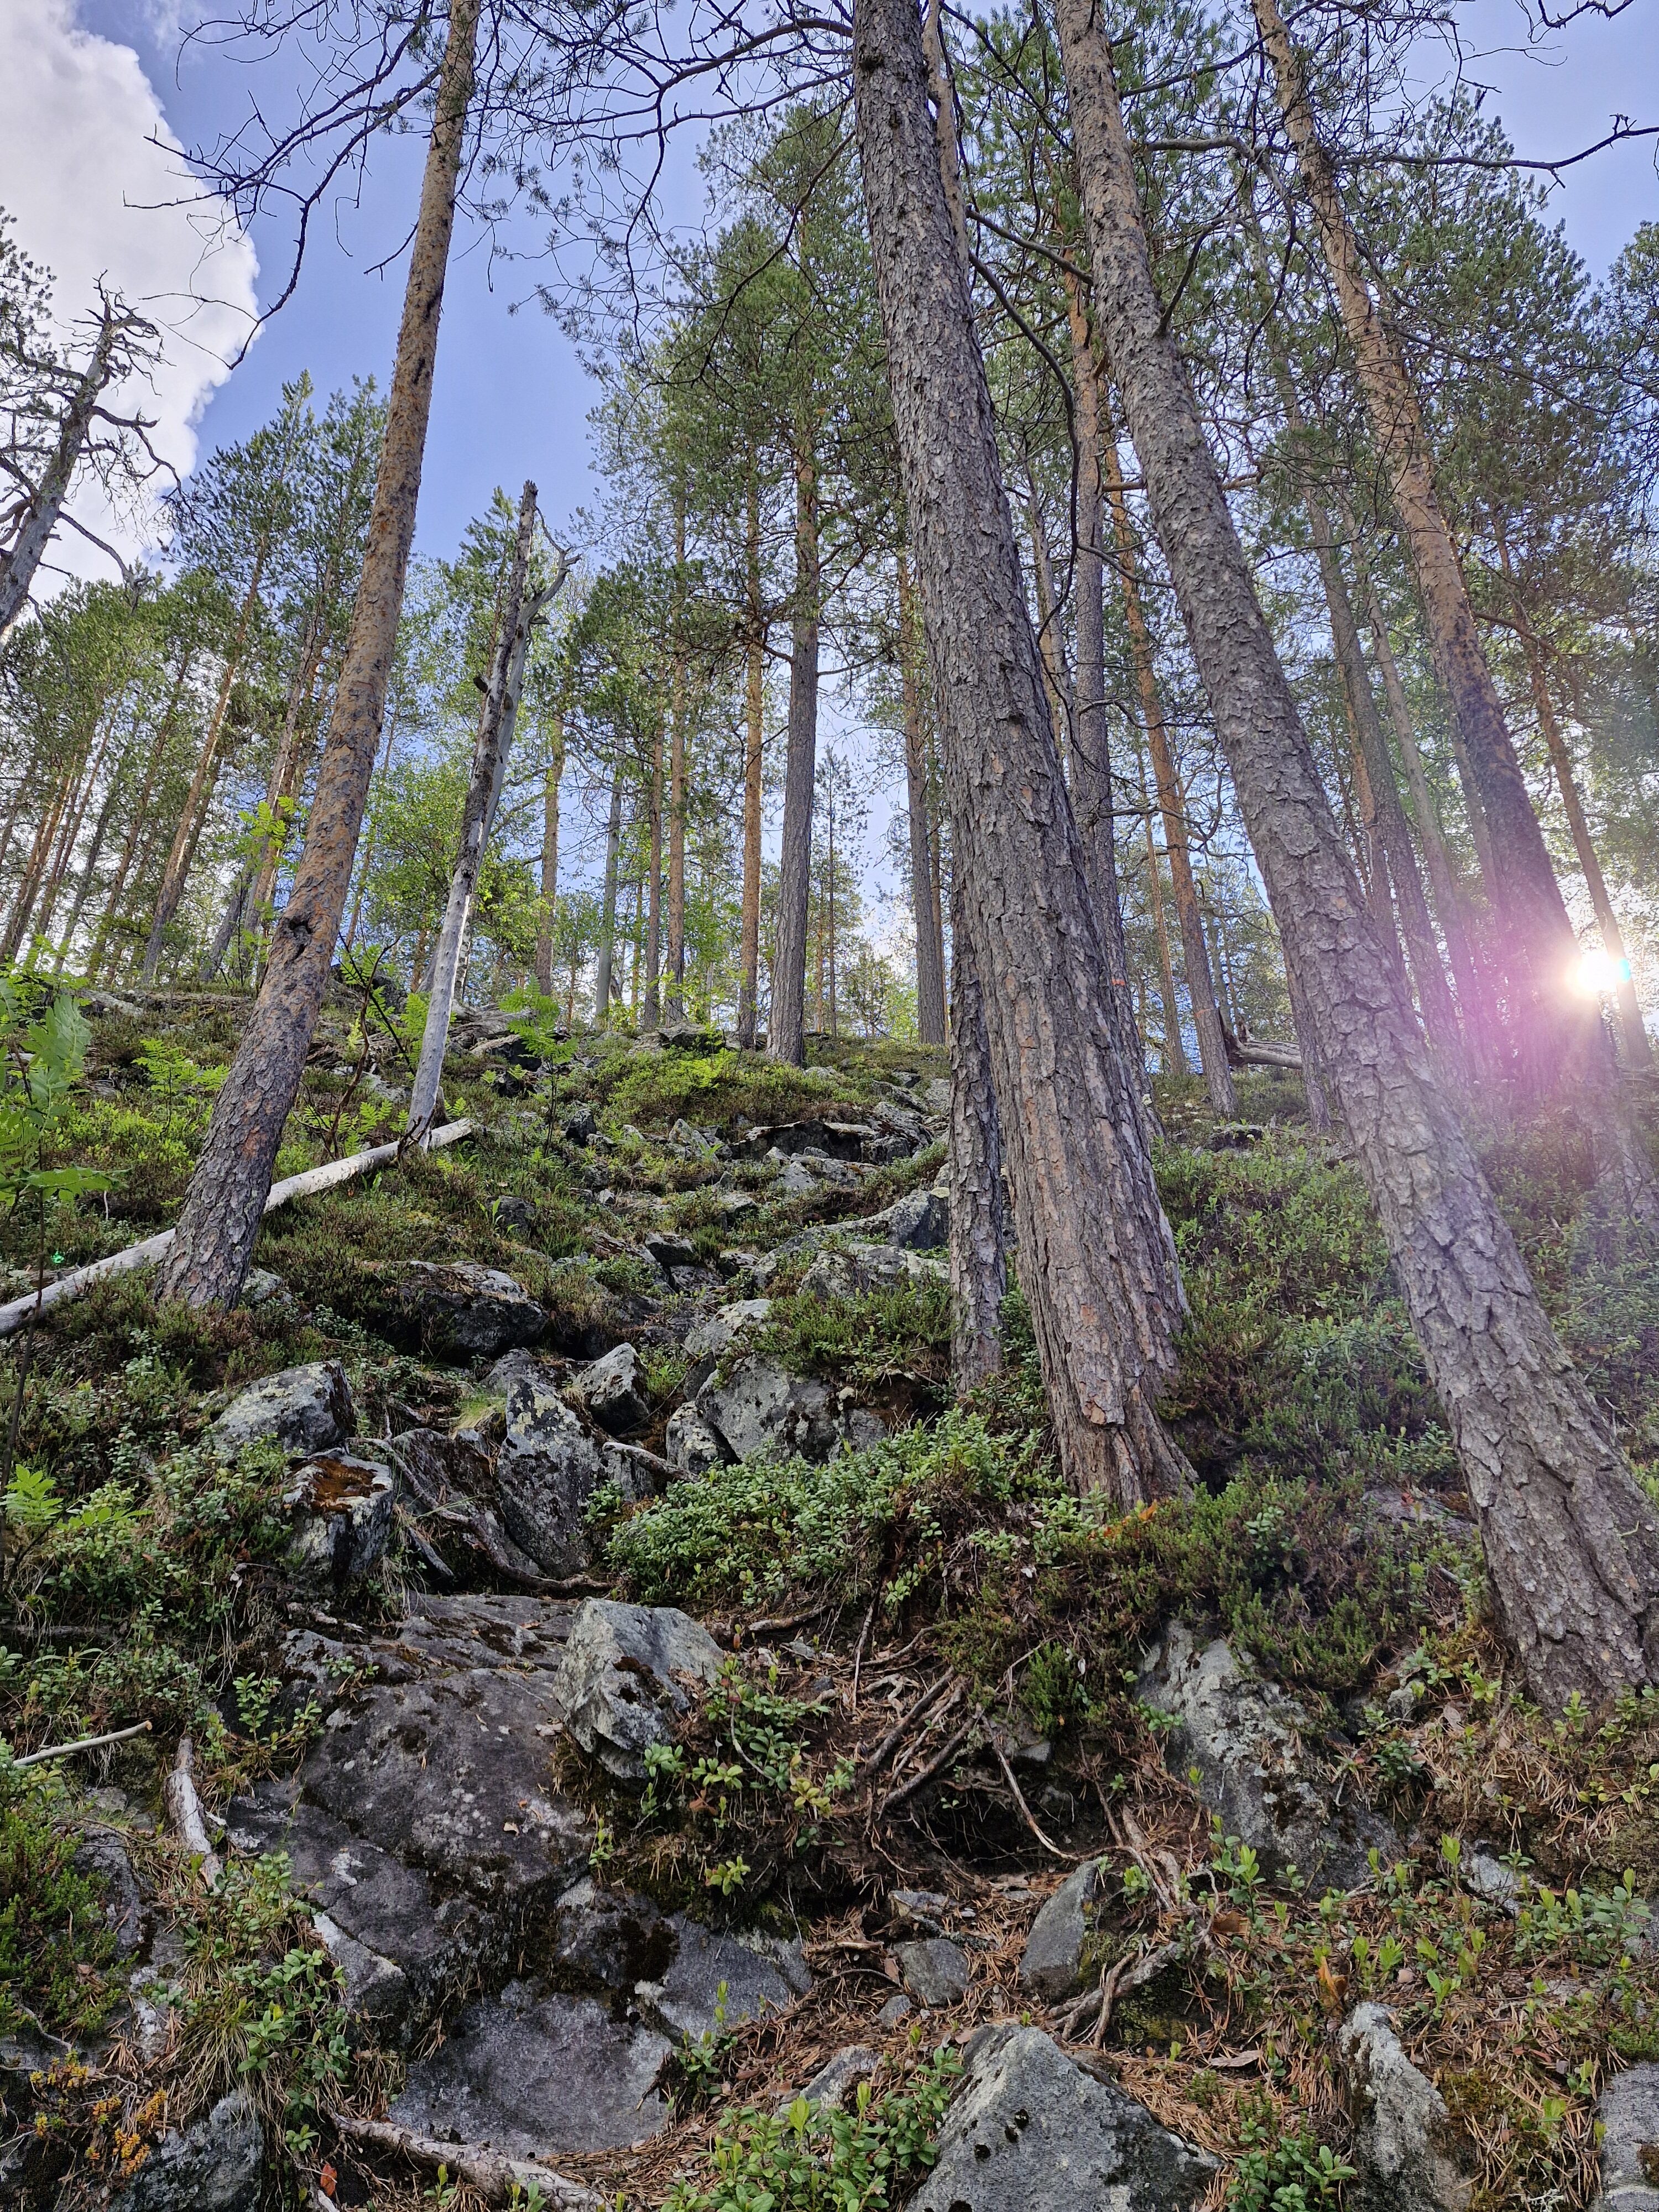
650, 1746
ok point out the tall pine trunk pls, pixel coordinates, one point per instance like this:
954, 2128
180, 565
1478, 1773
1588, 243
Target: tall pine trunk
1097, 1260
787, 1023
979, 1229
226, 1199
676, 780
1571, 1543
652, 1013
930, 938
605, 966
1541, 951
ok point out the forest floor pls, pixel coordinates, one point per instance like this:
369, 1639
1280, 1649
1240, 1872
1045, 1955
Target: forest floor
809, 1795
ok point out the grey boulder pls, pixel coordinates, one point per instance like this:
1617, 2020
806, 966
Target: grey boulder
935, 1971
629, 1671
1030, 2132
717, 1981
465, 1311
546, 1470
1629, 2113
921, 1221
856, 1270
1410, 2156
1258, 1771
713, 1338
532, 2070
214, 2166
614, 1391
1051, 1966
339, 1510
304, 1409
761, 1406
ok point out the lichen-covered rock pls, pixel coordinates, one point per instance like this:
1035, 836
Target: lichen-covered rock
614, 1391
1259, 1767
536, 2070
1051, 1966
216, 2165
921, 1221
1029, 2131
713, 1338
761, 1406
689, 1444
717, 1981
1410, 2156
464, 1311
339, 1510
1629, 2114
545, 1473
856, 1270
627, 1672
304, 1409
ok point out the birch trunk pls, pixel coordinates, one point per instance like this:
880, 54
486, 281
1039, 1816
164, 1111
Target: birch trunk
1571, 1542
520, 609
1097, 1258
222, 1207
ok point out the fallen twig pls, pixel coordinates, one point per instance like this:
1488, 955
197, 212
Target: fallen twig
184, 1809
890, 1741
488, 2170
1072, 1858
81, 1743
933, 1766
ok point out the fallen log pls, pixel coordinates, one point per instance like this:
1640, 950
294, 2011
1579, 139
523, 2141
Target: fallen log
184, 1814
490, 2171
14, 1316
1245, 1052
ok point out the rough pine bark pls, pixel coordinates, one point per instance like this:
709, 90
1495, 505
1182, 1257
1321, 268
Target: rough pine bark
1175, 1045
677, 786
979, 1229
930, 938
1541, 951
1571, 1542
1096, 1255
226, 1199
754, 738
787, 1024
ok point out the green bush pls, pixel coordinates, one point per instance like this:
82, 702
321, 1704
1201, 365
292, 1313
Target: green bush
54, 1943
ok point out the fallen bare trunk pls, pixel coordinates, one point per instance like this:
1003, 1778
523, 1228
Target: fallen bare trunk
154, 1248
491, 2172
184, 1815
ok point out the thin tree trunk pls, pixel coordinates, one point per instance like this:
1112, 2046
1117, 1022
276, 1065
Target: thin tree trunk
1171, 798
979, 1263
1571, 1543
35, 868
140, 815
1097, 1260
227, 1194
521, 607
607, 953
676, 791
1638, 1050
786, 1021
366, 864
550, 782
1056, 676
1540, 946
653, 902
188, 829
748, 949
1175, 1045
930, 944
1443, 879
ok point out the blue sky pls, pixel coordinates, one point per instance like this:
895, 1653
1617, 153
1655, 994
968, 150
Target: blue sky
511, 398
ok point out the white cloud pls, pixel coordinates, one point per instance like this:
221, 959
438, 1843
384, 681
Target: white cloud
88, 164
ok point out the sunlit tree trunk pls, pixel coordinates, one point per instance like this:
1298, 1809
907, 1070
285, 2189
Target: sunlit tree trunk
607, 953
215, 1239
653, 902
1571, 1542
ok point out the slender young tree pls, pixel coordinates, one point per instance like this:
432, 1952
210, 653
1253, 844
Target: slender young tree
224, 1205
1097, 1258
786, 1024
1571, 1542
